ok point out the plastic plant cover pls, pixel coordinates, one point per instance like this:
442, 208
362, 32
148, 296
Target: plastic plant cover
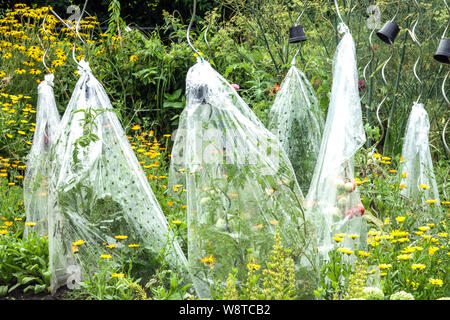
104, 208
296, 119
417, 166
333, 200
36, 181
240, 184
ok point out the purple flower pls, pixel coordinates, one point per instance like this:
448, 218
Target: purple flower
235, 86
361, 85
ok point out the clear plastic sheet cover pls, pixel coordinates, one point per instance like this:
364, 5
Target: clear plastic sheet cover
420, 183
295, 118
333, 200
240, 186
99, 191
36, 182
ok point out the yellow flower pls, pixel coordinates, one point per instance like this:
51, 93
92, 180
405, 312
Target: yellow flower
106, 256
404, 257
364, 254
170, 203
424, 186
432, 250
78, 243
404, 175
274, 222
431, 201
345, 250
402, 186
400, 219
177, 222
418, 266
133, 245
436, 282
424, 228
118, 275
35, 71
392, 171
30, 224
209, 259
384, 266
387, 220
121, 237
257, 227
353, 236
133, 58
337, 239
252, 266
111, 246
3, 232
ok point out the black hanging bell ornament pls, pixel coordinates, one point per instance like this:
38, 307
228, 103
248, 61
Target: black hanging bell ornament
388, 33
443, 51
296, 34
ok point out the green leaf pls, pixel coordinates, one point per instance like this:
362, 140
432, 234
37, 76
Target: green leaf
3, 290
25, 280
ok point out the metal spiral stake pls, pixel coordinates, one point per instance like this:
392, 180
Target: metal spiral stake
48, 40
443, 55
387, 34
446, 124
384, 99
370, 61
414, 38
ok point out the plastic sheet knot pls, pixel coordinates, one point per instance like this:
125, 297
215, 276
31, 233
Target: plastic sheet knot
83, 67
48, 78
342, 28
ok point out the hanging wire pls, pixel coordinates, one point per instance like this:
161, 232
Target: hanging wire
206, 33
414, 38
70, 28
295, 55
189, 29
303, 11
338, 12
48, 41
76, 30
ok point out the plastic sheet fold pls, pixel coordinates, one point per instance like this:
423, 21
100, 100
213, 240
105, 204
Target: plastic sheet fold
295, 118
36, 179
103, 206
333, 200
417, 166
241, 187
